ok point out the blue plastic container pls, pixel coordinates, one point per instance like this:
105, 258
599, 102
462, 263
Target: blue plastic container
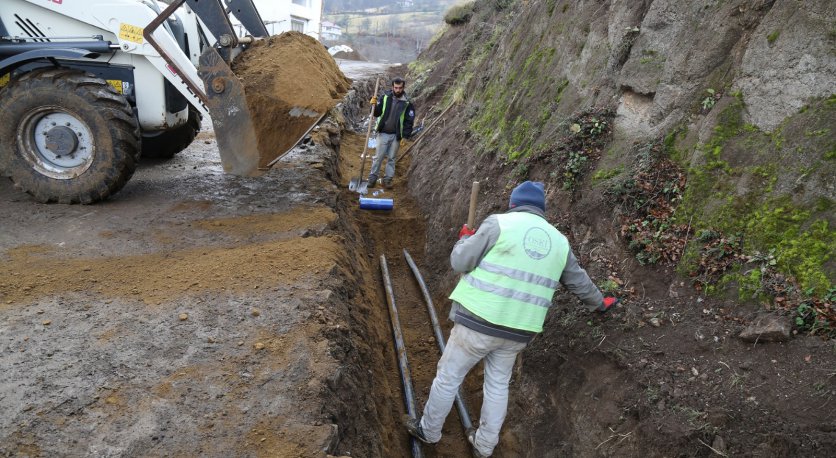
368, 203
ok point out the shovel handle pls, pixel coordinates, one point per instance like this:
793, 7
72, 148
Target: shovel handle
371, 118
471, 213
368, 132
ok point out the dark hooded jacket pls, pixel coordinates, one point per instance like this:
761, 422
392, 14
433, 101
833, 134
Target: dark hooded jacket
404, 113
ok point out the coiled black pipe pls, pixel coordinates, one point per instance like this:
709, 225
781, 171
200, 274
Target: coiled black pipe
400, 349
461, 405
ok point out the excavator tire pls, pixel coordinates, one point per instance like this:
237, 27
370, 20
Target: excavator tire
168, 143
66, 136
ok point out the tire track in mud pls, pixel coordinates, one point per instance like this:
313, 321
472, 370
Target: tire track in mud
388, 233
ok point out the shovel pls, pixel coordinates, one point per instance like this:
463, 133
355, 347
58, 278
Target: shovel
358, 184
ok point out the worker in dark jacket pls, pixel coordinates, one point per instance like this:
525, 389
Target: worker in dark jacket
512, 266
395, 116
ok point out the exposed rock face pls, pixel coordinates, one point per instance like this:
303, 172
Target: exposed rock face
662, 65
779, 55
789, 60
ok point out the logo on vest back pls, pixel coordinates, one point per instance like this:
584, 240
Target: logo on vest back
537, 243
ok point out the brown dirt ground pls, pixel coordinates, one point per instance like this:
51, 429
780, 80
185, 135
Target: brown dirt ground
31, 272
233, 381
290, 82
189, 317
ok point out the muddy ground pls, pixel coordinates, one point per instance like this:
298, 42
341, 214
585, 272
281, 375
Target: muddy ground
197, 313
184, 316
177, 318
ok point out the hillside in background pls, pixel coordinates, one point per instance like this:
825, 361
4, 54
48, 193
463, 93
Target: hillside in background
342, 6
387, 31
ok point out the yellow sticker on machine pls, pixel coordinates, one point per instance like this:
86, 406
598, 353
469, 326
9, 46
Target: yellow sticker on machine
4, 79
131, 33
117, 84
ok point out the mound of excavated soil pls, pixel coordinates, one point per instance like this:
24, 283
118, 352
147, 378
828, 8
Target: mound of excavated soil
353, 55
290, 81
31, 272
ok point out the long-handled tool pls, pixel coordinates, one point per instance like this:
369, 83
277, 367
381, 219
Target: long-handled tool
358, 184
423, 132
471, 212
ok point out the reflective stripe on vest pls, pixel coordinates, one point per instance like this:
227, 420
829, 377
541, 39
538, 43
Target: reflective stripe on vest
382, 113
514, 283
383, 116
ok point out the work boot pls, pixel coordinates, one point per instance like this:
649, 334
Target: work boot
471, 437
372, 181
387, 183
413, 425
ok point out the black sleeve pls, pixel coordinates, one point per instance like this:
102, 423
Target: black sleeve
378, 108
408, 120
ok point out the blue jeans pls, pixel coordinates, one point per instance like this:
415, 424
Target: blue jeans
387, 146
465, 348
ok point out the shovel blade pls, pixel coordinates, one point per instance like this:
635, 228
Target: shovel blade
363, 189
359, 185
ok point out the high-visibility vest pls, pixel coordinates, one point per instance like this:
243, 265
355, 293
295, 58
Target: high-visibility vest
382, 116
514, 283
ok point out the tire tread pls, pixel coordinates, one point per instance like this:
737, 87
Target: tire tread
122, 127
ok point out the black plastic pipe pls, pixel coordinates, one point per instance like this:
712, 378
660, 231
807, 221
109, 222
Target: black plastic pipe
400, 349
461, 404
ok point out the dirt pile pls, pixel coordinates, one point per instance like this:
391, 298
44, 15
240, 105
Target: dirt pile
353, 55
290, 81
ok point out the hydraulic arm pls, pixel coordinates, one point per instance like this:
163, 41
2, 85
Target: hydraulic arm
223, 95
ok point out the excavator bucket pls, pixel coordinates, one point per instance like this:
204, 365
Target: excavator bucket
269, 99
290, 82
231, 118
264, 95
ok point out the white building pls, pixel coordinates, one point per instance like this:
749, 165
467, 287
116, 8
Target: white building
284, 15
331, 31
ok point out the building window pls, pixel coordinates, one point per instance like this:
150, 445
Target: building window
298, 24
301, 3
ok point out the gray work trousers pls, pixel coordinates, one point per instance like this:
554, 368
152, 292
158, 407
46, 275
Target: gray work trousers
465, 348
387, 146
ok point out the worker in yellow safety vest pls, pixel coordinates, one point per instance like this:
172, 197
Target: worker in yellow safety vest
395, 117
512, 266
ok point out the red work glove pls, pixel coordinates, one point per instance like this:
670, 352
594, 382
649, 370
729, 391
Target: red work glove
607, 304
465, 232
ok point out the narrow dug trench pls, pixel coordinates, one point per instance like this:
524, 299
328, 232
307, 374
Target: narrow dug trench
558, 413
388, 233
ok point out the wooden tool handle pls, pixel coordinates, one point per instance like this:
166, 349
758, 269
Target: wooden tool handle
471, 213
368, 132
